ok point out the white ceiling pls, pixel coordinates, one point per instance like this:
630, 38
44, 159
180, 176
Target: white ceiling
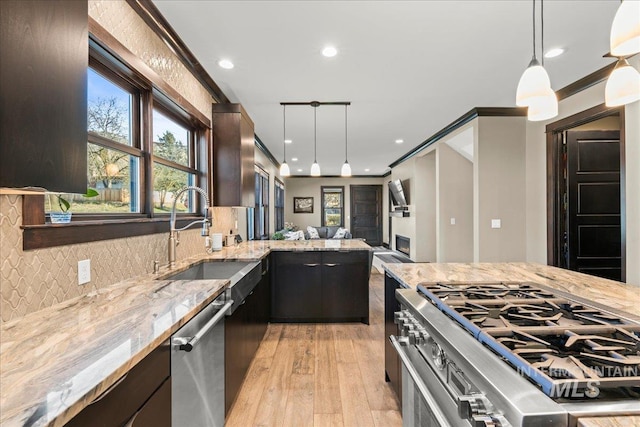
409, 68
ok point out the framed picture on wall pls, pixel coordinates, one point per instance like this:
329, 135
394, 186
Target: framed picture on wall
303, 205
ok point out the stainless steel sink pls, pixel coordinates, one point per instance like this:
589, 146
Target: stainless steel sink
212, 270
243, 275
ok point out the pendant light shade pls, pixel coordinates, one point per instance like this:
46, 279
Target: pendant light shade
315, 169
284, 167
533, 84
346, 168
623, 85
543, 107
625, 30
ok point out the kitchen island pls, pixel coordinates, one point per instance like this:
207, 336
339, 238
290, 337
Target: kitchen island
442, 284
55, 362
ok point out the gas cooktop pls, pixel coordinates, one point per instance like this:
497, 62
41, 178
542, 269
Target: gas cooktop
567, 347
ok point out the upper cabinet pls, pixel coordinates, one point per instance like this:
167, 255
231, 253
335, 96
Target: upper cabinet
43, 80
233, 156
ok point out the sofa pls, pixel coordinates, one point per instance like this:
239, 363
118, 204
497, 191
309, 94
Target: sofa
327, 232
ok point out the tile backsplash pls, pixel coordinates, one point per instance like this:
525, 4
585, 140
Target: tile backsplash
33, 280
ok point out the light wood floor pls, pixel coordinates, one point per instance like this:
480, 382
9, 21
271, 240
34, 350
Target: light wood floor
320, 375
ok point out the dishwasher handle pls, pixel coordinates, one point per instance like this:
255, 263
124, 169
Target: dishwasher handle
188, 343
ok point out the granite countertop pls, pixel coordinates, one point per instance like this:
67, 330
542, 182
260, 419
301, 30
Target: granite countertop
617, 295
620, 296
54, 362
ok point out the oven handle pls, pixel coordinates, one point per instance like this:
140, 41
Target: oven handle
426, 395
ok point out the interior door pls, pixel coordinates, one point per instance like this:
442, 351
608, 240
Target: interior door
594, 244
366, 213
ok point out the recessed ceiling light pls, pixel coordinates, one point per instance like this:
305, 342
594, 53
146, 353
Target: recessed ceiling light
399, 141
226, 64
288, 141
367, 170
299, 170
552, 53
329, 51
294, 159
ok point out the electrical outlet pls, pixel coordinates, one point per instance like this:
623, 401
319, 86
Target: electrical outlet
496, 223
84, 271
453, 221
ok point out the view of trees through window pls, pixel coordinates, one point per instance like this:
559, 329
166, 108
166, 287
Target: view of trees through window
332, 206
115, 154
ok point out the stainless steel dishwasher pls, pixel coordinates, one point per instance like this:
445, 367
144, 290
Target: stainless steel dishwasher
197, 368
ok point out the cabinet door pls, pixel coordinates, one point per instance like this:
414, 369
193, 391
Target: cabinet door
43, 81
296, 291
236, 336
345, 285
156, 412
116, 405
392, 365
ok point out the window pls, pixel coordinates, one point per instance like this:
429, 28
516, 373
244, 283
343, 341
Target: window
261, 209
174, 163
332, 206
113, 148
279, 204
124, 151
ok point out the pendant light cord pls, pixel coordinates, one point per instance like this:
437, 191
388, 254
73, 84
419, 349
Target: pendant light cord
346, 141
542, 29
315, 134
284, 131
534, 29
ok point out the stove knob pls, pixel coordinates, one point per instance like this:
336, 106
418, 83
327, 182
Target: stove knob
425, 334
438, 356
407, 328
486, 421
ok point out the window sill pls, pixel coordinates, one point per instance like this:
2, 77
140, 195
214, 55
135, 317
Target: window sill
50, 235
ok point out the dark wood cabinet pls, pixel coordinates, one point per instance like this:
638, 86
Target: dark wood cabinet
244, 331
296, 288
44, 48
233, 156
128, 395
327, 286
154, 412
392, 364
344, 296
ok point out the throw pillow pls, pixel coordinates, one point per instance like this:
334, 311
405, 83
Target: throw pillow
340, 233
313, 233
294, 235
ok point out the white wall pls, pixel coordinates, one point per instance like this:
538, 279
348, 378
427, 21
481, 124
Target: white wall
310, 187
424, 199
406, 226
499, 181
454, 196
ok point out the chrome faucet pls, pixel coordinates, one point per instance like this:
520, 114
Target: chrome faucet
174, 236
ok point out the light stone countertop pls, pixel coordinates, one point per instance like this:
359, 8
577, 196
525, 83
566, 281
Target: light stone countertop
54, 362
620, 296
609, 422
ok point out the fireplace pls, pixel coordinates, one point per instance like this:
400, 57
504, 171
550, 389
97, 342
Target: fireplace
403, 244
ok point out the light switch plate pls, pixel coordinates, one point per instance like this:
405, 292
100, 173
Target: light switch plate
496, 223
84, 271
453, 221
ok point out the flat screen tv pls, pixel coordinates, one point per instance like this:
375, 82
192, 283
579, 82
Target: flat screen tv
398, 193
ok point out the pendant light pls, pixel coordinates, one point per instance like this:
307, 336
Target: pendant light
346, 168
625, 30
535, 80
284, 167
623, 85
315, 167
543, 107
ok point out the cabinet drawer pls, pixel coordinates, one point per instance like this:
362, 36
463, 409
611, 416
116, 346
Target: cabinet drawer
118, 404
156, 412
351, 257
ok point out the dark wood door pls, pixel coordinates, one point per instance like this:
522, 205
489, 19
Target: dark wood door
593, 203
366, 213
296, 289
345, 286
